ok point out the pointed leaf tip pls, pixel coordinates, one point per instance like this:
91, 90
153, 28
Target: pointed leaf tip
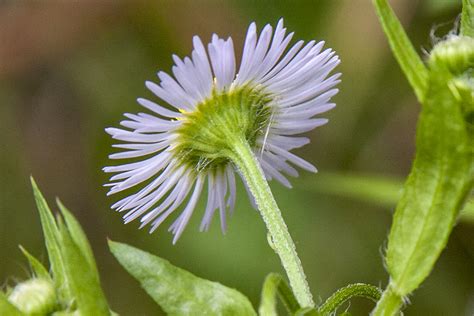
78, 235
53, 247
38, 269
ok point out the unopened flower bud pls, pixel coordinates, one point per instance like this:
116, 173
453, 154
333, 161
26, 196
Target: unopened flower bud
456, 53
34, 297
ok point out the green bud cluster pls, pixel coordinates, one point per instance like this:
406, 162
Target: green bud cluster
456, 53
34, 297
456, 56
207, 134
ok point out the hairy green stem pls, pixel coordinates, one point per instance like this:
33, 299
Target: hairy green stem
245, 160
342, 295
389, 304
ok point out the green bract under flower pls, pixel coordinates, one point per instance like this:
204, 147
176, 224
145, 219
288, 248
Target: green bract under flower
206, 134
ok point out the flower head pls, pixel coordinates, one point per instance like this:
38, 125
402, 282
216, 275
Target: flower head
273, 97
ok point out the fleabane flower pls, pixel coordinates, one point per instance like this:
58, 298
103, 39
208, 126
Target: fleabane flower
210, 107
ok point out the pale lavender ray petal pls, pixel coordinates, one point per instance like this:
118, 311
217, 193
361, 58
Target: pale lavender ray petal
279, 164
267, 168
300, 162
232, 188
221, 191
188, 211
211, 203
171, 198
181, 196
152, 106
247, 54
154, 197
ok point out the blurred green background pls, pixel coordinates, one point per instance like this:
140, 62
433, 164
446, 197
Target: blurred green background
68, 70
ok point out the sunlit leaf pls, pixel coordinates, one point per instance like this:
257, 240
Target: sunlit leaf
177, 291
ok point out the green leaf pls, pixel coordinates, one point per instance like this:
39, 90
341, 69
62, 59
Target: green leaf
78, 236
96, 299
51, 236
38, 269
376, 189
6, 308
382, 190
84, 281
441, 178
467, 18
346, 293
177, 291
275, 285
405, 53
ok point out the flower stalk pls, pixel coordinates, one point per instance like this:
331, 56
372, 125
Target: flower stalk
245, 160
389, 304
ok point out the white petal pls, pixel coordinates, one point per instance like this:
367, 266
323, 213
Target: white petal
267, 168
211, 203
247, 54
297, 127
288, 142
171, 92
152, 198
222, 58
300, 162
232, 188
188, 211
203, 69
152, 106
181, 196
258, 55
279, 163
221, 191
